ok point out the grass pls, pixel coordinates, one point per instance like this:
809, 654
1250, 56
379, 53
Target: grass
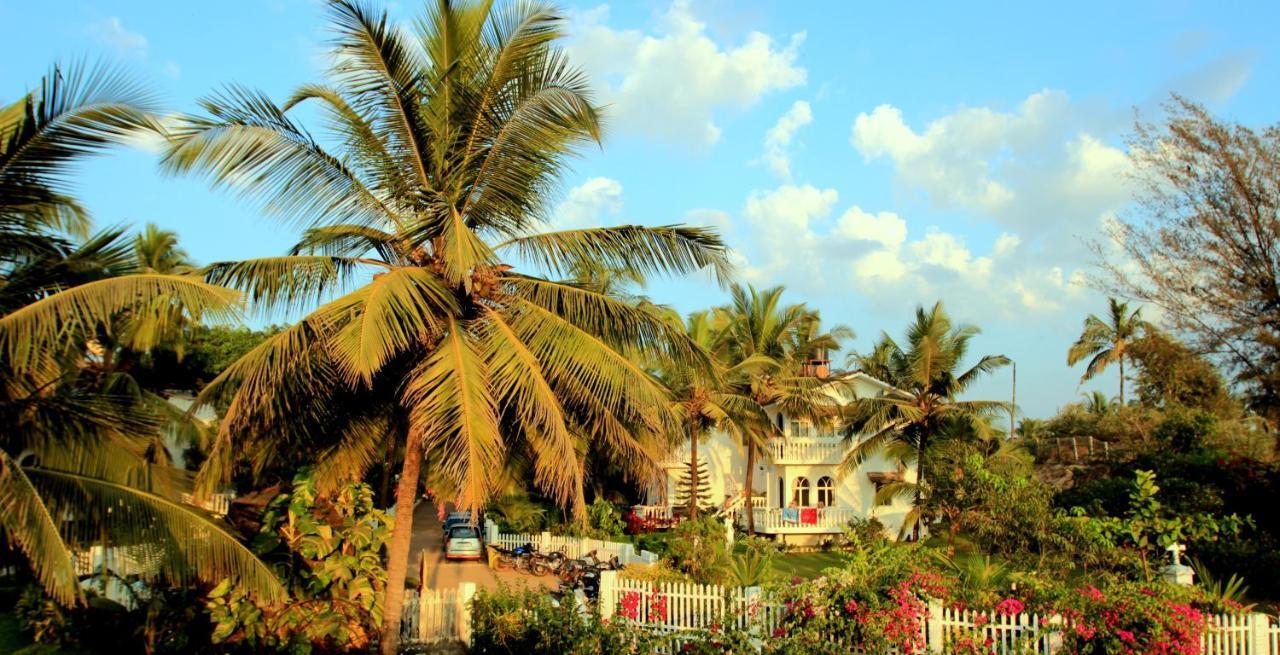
805, 565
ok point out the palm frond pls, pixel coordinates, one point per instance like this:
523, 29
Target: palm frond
28, 524
663, 250
47, 323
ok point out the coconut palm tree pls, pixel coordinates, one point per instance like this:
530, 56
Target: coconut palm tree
907, 420
704, 399
1107, 341
767, 344
157, 251
449, 142
77, 457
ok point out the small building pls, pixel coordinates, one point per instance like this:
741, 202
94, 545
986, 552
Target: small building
798, 487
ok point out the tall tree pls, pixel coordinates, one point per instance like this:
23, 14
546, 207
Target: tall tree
452, 137
768, 344
926, 381
1107, 341
1205, 247
77, 458
704, 398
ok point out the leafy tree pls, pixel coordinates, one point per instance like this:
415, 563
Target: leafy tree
768, 345
1107, 341
81, 443
693, 489
906, 420
450, 142
1203, 246
330, 553
1171, 374
699, 550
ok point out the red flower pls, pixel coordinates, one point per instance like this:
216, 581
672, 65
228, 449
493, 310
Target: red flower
1009, 607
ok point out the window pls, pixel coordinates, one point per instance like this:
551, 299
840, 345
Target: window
801, 429
801, 496
826, 491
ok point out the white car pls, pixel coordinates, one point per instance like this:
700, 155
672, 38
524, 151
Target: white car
463, 542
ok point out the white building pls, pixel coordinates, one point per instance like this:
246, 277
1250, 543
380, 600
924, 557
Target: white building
798, 487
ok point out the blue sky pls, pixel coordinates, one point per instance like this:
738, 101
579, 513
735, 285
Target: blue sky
871, 157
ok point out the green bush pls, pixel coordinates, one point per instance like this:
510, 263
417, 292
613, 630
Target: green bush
526, 621
698, 549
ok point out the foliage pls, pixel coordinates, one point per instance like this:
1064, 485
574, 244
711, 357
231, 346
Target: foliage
207, 351
907, 421
1170, 374
604, 518
529, 622
875, 603
330, 552
698, 549
1106, 341
1148, 528
1185, 430
1127, 617
1203, 246
518, 513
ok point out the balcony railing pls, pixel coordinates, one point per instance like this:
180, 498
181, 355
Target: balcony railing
804, 519
807, 451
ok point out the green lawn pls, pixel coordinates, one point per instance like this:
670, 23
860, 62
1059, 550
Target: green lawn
805, 565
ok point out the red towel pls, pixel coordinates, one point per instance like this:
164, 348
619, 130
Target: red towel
808, 516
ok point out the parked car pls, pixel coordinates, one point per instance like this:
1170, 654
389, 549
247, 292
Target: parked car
455, 519
463, 542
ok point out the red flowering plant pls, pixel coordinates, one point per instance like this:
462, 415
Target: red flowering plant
1129, 618
876, 603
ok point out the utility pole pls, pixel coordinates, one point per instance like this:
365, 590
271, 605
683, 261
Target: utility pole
1013, 400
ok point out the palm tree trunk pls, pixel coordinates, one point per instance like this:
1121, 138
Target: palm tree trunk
748, 482
398, 549
1122, 381
919, 491
693, 469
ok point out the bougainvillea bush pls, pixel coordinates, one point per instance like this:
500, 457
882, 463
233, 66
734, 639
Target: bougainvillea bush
876, 603
523, 621
1126, 618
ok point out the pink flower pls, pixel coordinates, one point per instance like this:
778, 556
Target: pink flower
1126, 636
851, 606
1009, 607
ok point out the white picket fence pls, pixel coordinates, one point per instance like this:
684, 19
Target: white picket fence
672, 608
438, 615
572, 547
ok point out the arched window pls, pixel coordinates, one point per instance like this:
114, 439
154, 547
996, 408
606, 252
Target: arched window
826, 491
801, 496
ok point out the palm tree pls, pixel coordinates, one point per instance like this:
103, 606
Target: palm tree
704, 400
768, 343
451, 139
157, 251
77, 458
907, 420
1107, 341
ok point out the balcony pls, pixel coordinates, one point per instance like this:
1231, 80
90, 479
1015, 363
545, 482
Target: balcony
803, 520
820, 450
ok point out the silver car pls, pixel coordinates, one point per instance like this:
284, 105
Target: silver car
463, 542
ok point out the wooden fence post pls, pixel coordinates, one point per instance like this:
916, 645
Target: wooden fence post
933, 627
608, 592
1260, 640
466, 591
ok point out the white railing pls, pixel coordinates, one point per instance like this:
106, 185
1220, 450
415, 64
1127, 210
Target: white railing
217, 504
653, 512
572, 547
803, 519
791, 450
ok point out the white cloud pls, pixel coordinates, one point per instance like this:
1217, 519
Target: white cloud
586, 203
671, 83
111, 32
782, 222
778, 139
1036, 169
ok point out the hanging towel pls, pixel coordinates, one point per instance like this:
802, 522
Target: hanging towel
791, 514
809, 516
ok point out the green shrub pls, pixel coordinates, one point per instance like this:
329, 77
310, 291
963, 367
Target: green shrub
526, 621
698, 549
